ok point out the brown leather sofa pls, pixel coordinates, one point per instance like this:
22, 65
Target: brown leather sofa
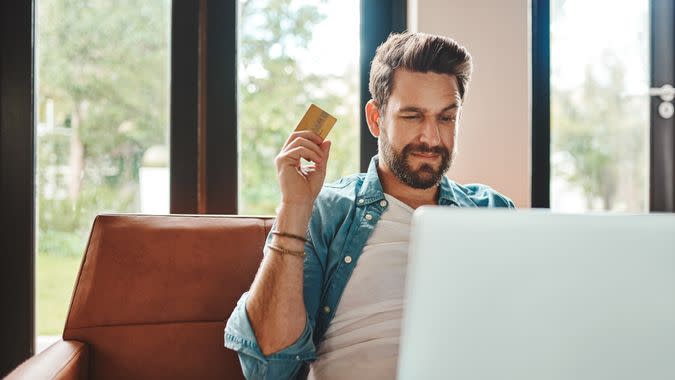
152, 297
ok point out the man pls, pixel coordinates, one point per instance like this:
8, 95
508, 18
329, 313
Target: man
328, 296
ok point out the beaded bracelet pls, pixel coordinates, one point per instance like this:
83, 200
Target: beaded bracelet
292, 236
286, 251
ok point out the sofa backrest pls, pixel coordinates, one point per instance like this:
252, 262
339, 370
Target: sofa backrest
154, 292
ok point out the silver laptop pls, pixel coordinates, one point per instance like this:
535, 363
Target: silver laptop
498, 294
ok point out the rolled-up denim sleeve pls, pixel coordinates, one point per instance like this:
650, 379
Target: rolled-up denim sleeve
284, 364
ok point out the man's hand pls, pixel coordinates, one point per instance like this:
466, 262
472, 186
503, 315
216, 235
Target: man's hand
299, 184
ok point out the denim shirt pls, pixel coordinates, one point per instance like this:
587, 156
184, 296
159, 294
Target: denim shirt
343, 217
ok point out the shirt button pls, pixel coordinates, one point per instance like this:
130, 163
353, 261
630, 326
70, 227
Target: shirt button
326, 309
369, 217
297, 357
361, 201
348, 259
383, 203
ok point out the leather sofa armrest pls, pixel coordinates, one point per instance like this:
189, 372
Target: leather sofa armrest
63, 360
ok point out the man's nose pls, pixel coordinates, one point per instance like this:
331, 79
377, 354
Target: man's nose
430, 133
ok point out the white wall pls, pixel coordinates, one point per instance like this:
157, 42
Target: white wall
494, 137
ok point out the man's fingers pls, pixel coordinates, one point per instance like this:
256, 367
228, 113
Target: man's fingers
297, 153
309, 135
301, 141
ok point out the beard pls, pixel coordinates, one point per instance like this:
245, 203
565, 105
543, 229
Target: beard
426, 175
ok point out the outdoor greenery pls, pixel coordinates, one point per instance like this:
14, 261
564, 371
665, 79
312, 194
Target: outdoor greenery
55, 280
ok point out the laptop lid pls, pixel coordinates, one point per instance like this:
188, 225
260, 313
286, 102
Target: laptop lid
498, 294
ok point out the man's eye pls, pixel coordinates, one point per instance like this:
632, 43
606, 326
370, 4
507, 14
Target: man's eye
447, 119
411, 117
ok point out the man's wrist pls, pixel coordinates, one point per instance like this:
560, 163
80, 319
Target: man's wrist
293, 218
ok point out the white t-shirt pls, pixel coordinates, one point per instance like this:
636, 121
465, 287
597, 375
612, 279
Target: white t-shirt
362, 339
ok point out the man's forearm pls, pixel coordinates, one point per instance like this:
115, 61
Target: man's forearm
276, 306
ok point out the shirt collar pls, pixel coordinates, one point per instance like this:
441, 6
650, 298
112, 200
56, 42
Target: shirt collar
371, 190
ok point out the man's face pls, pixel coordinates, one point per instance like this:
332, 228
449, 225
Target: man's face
417, 129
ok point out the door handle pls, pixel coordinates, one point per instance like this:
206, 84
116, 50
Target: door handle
667, 94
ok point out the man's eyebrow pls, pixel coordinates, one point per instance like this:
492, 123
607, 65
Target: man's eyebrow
449, 107
424, 110
412, 109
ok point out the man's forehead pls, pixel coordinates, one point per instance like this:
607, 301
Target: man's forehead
424, 91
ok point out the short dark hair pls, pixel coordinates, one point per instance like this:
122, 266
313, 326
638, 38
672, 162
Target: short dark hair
417, 52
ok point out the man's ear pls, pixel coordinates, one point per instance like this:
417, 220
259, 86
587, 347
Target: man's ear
373, 118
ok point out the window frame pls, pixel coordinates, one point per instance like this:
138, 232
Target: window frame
662, 132
541, 104
17, 179
204, 159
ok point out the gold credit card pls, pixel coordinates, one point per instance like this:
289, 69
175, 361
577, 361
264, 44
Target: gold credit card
316, 120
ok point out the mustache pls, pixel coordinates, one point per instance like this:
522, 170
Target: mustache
425, 148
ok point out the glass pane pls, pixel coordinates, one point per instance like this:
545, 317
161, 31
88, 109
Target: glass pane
599, 105
102, 130
291, 55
